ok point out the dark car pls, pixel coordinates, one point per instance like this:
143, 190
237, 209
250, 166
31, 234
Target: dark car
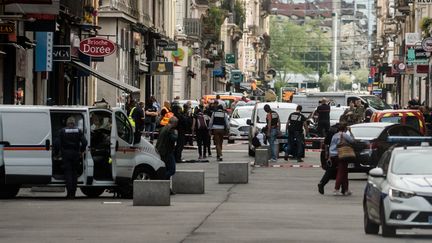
371, 143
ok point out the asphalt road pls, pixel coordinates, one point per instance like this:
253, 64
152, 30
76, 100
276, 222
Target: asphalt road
279, 204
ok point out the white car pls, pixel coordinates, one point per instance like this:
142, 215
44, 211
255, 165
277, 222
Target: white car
398, 193
335, 114
239, 129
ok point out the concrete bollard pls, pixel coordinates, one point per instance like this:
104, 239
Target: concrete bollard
261, 157
188, 182
233, 172
151, 193
267, 147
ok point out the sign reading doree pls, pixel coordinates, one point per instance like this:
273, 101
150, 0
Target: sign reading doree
97, 47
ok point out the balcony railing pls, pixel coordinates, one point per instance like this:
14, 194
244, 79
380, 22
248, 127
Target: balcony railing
192, 27
129, 7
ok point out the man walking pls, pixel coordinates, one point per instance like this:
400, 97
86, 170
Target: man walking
295, 125
323, 112
219, 125
165, 146
273, 128
72, 145
138, 117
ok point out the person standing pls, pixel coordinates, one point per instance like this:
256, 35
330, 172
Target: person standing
295, 125
165, 146
200, 129
151, 113
165, 114
72, 144
323, 112
219, 125
348, 115
138, 117
342, 164
359, 112
182, 127
220, 102
329, 167
273, 128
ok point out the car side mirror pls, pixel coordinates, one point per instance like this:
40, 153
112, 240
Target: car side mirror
249, 122
376, 172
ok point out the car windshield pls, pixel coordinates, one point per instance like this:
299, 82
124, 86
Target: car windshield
412, 163
283, 114
242, 113
336, 113
366, 132
413, 122
392, 119
376, 102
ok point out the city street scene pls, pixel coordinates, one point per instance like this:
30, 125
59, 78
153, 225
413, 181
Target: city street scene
215, 121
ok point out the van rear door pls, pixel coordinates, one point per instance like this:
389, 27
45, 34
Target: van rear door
28, 138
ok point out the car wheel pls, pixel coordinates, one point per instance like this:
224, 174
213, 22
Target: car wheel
8, 191
386, 230
92, 192
369, 226
141, 173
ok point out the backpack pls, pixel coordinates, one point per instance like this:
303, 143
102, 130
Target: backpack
201, 123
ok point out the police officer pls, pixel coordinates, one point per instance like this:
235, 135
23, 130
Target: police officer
295, 124
219, 126
72, 144
273, 128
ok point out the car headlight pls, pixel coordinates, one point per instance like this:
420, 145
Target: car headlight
234, 125
395, 194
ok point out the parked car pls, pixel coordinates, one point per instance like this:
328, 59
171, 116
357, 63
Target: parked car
372, 142
258, 120
398, 193
412, 118
239, 129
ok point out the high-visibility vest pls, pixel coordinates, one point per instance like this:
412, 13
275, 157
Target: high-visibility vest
165, 119
130, 118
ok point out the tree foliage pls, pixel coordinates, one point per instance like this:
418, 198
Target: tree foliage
361, 75
293, 46
326, 81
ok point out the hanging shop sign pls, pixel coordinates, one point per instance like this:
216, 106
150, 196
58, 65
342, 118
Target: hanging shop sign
61, 53
7, 29
161, 68
97, 47
427, 44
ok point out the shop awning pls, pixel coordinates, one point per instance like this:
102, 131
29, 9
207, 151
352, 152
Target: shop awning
114, 82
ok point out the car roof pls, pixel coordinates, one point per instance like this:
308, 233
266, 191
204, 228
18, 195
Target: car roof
375, 124
396, 111
244, 107
276, 105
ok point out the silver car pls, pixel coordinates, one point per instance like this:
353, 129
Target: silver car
398, 193
239, 129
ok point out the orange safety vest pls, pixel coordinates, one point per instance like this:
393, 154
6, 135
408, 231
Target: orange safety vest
165, 119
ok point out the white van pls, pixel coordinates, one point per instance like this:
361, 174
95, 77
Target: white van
111, 161
310, 101
258, 119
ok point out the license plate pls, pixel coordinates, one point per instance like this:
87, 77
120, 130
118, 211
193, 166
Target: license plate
351, 165
430, 219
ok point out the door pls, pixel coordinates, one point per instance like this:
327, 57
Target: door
28, 139
122, 139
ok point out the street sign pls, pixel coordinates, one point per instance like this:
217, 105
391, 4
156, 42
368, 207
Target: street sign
236, 76
423, 2
172, 46
427, 44
417, 55
97, 47
230, 58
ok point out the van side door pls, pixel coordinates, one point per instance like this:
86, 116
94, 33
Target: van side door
124, 150
28, 139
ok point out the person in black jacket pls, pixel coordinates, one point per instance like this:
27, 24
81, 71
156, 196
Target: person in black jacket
72, 145
182, 127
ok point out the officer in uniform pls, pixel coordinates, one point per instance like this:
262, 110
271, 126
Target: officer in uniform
72, 144
219, 125
273, 125
295, 124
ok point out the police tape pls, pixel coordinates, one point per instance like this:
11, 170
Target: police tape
287, 166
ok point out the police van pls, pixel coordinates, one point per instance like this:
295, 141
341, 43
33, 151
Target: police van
111, 161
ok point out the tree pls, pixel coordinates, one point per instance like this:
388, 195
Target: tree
361, 76
344, 81
297, 48
326, 81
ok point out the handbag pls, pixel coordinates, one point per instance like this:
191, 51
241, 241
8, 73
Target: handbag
345, 151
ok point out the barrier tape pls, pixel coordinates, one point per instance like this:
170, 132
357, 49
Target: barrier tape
288, 166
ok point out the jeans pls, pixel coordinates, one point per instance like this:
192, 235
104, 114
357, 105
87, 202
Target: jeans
150, 128
179, 147
218, 136
70, 172
170, 165
201, 137
272, 143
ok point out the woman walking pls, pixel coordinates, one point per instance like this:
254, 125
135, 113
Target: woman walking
342, 165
